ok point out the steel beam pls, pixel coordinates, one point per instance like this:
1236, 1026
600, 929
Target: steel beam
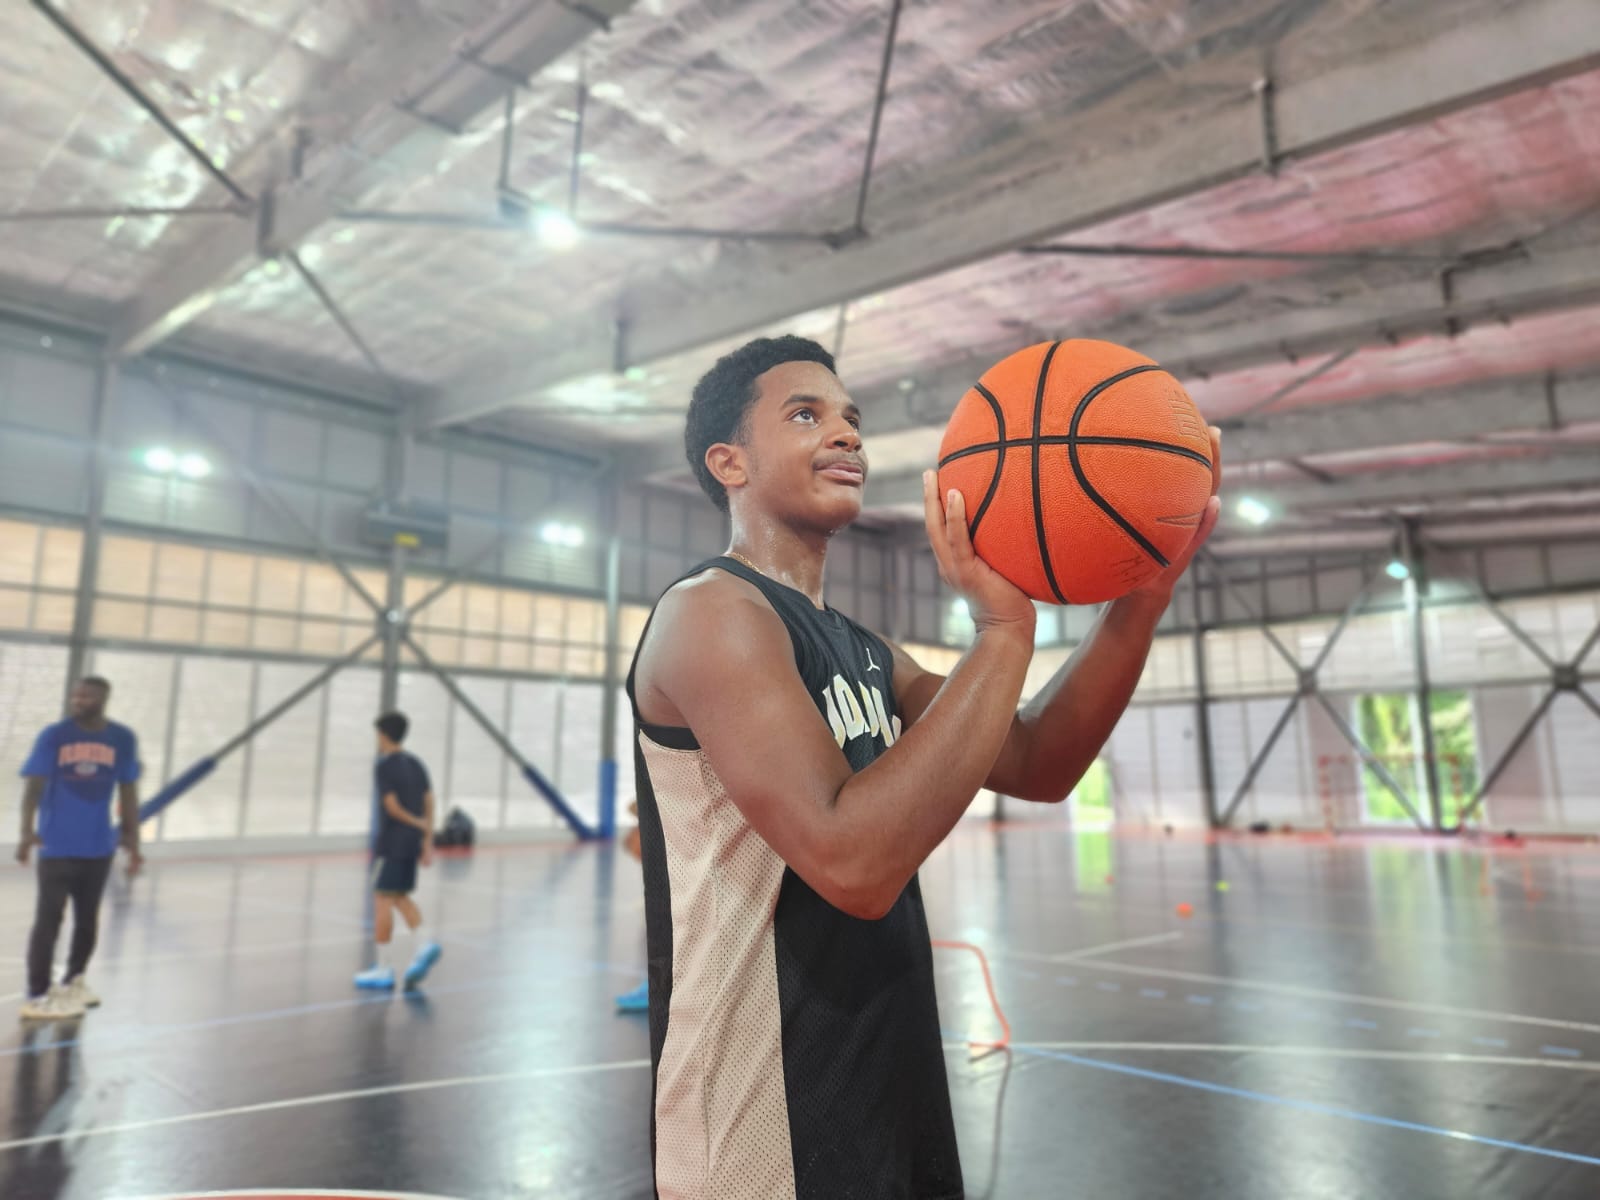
1466, 63
529, 771
1372, 761
525, 39
1202, 707
1260, 760
1504, 761
93, 515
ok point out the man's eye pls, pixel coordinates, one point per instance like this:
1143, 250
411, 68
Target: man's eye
855, 423
805, 412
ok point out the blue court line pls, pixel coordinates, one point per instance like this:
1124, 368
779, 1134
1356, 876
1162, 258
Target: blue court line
1153, 993
1109, 987
1246, 1005
1418, 1032
1067, 980
1201, 1000
1360, 1023
1561, 1051
1495, 1043
1305, 1106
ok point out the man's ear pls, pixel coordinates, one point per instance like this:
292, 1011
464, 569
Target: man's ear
728, 465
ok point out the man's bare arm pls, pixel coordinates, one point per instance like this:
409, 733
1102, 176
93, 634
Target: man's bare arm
392, 806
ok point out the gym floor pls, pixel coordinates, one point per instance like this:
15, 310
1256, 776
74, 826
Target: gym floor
1346, 1018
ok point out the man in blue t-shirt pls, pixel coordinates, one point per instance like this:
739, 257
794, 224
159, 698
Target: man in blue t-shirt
71, 774
404, 838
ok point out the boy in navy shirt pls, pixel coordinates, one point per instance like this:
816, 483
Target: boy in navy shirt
71, 774
405, 838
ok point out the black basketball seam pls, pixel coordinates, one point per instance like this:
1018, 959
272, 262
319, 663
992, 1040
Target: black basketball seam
1139, 539
1038, 503
999, 462
1067, 439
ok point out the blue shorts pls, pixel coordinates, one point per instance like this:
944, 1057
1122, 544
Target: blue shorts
394, 876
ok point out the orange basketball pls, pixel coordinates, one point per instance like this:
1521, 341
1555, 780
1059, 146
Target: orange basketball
1084, 466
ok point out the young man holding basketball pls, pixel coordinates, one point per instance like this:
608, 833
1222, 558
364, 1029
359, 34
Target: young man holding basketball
794, 771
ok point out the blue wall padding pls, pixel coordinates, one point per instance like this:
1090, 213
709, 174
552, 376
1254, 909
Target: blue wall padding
557, 802
608, 798
176, 788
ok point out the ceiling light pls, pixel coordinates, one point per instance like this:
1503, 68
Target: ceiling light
555, 229
1253, 510
160, 460
558, 533
194, 466
1397, 569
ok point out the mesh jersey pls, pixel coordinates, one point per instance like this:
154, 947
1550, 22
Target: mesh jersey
795, 1050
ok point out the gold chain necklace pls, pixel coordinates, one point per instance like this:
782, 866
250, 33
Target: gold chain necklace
737, 557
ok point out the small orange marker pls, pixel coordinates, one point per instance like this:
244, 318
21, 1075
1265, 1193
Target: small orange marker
1110, 878
1186, 909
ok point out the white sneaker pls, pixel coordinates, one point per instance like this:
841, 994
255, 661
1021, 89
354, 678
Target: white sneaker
55, 1005
78, 990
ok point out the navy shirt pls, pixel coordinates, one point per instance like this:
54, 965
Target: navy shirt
405, 776
81, 769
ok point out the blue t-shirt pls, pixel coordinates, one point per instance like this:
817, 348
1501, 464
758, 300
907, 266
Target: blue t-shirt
81, 769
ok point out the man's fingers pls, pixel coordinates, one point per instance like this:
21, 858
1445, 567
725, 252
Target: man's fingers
1216, 459
934, 517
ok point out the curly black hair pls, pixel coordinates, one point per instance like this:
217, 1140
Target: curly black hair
725, 393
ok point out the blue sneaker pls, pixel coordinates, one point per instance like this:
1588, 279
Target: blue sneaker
422, 964
376, 979
635, 1001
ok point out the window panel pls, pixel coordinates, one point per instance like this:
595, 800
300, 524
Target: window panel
225, 629
19, 552
60, 554
281, 787
278, 584
276, 633
120, 618
213, 706
180, 572
349, 752
174, 623
16, 608
232, 579
325, 591
126, 566
482, 610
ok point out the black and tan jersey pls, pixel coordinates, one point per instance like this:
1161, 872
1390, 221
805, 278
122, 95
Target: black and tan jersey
795, 1049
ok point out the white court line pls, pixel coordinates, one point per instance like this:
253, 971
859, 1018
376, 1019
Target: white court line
1154, 939
394, 1089
1306, 993
1341, 1052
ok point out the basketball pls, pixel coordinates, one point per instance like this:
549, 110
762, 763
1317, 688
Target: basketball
1085, 469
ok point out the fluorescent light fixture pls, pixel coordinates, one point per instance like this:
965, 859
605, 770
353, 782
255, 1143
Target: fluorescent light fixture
1253, 510
160, 460
558, 533
1397, 569
555, 229
194, 466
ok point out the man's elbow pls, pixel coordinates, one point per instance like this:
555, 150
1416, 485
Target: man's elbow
861, 890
